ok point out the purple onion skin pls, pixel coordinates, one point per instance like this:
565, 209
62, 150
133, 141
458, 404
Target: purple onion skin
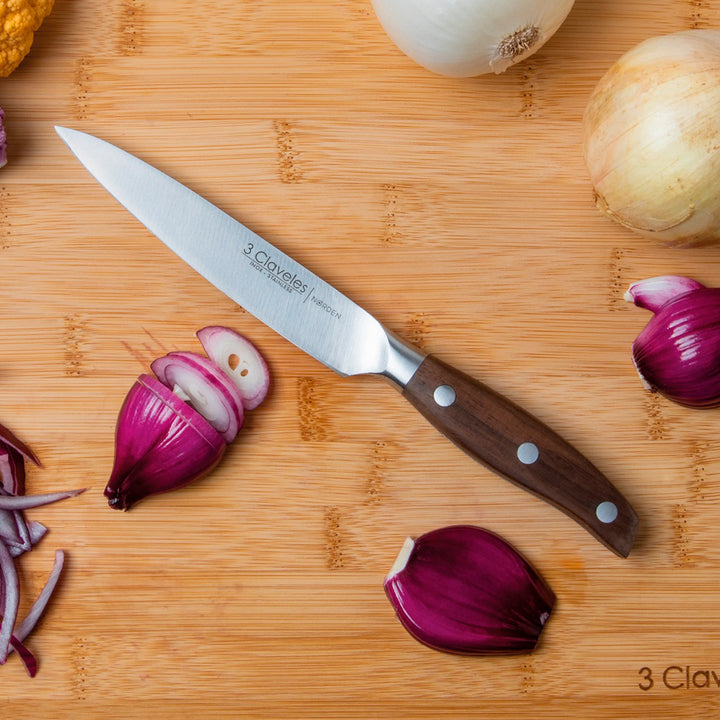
678, 351
466, 591
161, 444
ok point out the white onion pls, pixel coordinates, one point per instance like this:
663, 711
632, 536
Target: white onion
652, 138
464, 38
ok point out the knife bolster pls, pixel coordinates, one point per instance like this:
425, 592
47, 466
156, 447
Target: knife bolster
403, 360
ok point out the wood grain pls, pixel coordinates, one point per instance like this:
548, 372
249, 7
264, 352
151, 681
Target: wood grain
456, 210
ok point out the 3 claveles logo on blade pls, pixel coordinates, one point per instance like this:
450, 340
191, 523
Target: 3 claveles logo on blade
285, 276
262, 260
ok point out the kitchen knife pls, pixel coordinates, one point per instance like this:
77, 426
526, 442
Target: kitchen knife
324, 323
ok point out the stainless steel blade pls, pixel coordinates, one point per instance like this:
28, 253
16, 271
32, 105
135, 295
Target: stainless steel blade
266, 282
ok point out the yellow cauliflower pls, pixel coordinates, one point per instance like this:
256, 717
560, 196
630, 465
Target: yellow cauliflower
19, 19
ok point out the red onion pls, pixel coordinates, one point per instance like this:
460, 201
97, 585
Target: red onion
161, 444
204, 386
462, 589
678, 352
240, 359
173, 430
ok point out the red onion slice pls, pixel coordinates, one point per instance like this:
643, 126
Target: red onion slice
36, 532
12, 470
25, 655
9, 438
205, 387
27, 624
23, 502
10, 587
240, 360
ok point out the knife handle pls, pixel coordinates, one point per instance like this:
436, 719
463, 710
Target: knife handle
517, 446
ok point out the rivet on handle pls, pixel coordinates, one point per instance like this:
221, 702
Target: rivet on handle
444, 395
606, 512
528, 453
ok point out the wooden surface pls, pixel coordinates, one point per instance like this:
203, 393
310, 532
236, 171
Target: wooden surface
460, 213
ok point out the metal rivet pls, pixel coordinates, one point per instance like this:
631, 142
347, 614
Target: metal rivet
444, 395
528, 453
606, 512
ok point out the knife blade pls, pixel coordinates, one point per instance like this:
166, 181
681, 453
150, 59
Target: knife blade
326, 324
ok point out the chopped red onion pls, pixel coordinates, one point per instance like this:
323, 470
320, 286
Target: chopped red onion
16, 537
240, 360
678, 352
205, 387
161, 443
462, 589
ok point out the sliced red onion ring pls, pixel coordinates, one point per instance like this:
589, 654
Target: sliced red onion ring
205, 387
240, 359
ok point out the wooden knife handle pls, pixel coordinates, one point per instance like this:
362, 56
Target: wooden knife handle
508, 440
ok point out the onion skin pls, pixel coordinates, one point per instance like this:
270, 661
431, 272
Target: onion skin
465, 38
651, 129
677, 354
464, 590
161, 443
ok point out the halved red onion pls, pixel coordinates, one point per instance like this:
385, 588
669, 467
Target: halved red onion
161, 443
462, 589
240, 359
205, 387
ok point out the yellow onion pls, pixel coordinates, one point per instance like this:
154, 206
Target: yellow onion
652, 139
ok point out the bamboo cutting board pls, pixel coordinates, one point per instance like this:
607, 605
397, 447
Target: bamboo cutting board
458, 212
